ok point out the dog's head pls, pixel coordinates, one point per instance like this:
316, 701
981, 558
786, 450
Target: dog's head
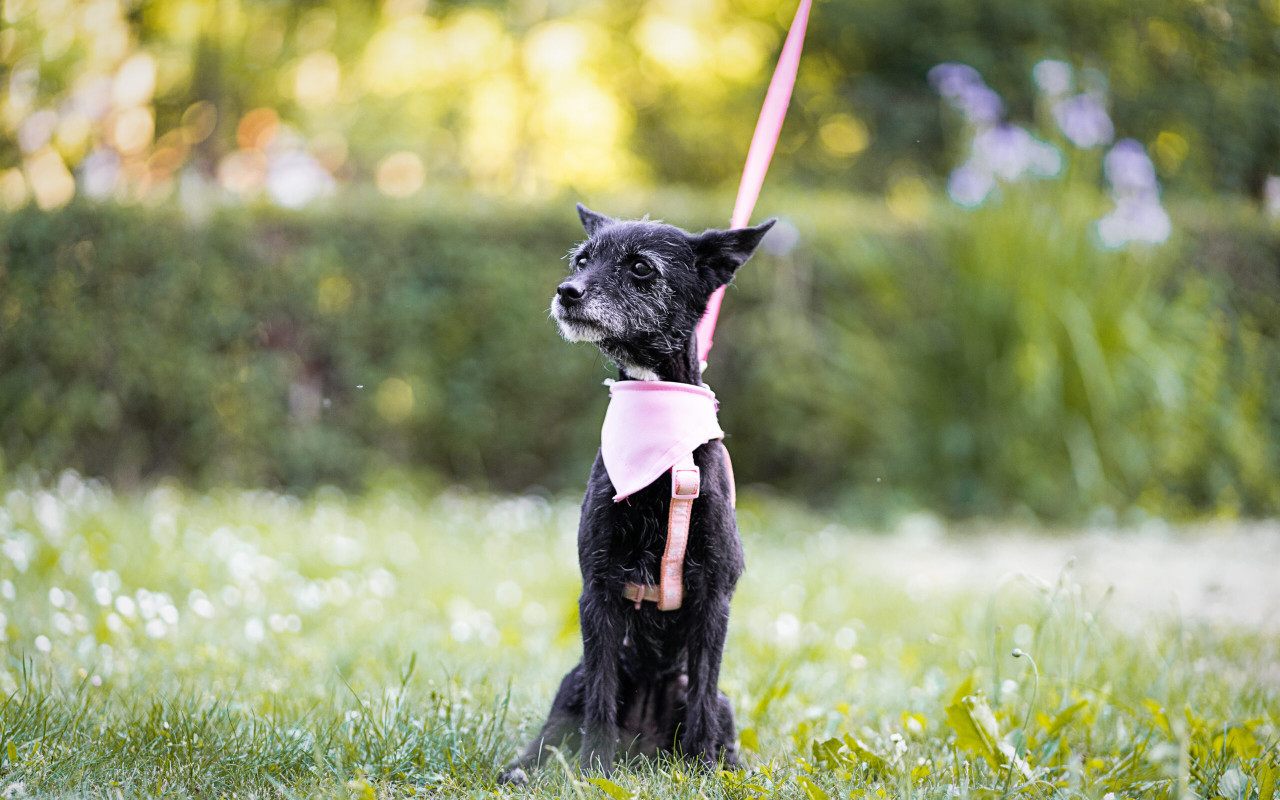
637, 289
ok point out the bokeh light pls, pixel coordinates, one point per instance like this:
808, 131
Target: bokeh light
400, 174
394, 400
317, 79
133, 131
257, 128
51, 182
135, 81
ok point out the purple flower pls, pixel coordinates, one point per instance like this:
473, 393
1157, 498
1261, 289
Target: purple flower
1083, 119
1009, 152
1135, 219
1138, 216
949, 78
980, 105
1053, 77
964, 90
1130, 170
969, 185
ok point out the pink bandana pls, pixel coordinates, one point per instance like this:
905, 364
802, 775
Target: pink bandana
650, 425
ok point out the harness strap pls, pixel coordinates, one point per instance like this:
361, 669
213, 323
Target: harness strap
647, 593
686, 486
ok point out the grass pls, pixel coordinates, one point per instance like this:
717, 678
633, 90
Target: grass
255, 644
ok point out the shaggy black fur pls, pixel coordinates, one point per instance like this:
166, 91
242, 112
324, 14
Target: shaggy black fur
647, 680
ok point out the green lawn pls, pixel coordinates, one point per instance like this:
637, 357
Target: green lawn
253, 644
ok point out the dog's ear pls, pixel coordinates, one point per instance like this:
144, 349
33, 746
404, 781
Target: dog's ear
723, 252
591, 221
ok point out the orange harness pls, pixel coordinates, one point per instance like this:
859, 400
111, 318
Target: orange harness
686, 485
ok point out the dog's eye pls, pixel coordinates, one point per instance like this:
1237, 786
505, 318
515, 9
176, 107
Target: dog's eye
579, 262
641, 269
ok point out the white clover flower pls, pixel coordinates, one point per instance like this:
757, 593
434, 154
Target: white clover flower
254, 630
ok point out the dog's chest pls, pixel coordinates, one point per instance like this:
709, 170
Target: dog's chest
653, 638
638, 539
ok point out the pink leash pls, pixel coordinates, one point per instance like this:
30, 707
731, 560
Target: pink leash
762, 143
685, 477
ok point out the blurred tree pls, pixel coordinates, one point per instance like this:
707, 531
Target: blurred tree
530, 97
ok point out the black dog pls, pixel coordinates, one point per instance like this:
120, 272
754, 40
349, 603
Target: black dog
648, 678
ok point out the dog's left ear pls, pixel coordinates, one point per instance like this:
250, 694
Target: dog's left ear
722, 252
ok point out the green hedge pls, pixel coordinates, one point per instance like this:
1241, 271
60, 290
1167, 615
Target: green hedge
990, 362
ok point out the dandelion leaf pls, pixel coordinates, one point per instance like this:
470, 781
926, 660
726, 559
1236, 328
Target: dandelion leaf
1064, 718
812, 790
863, 753
976, 729
962, 691
828, 754
610, 788
1238, 741
1266, 781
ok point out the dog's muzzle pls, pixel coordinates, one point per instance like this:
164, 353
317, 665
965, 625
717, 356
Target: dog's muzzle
570, 293
567, 310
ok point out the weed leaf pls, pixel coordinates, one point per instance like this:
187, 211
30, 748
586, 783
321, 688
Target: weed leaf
1239, 742
828, 754
1063, 718
976, 729
863, 753
610, 788
812, 790
1266, 781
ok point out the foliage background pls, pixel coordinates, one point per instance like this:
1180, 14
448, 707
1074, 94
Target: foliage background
878, 366
305, 243
532, 95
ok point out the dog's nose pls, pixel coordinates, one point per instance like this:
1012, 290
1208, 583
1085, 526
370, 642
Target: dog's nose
570, 292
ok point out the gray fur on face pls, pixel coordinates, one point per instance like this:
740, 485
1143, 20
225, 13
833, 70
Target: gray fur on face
615, 303
638, 288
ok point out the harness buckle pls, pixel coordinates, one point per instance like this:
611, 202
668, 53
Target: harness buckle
686, 482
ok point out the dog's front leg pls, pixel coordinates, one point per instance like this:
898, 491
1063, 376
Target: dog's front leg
601, 647
704, 736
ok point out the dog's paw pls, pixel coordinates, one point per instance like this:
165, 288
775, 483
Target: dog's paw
729, 758
598, 750
711, 757
513, 777
595, 764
